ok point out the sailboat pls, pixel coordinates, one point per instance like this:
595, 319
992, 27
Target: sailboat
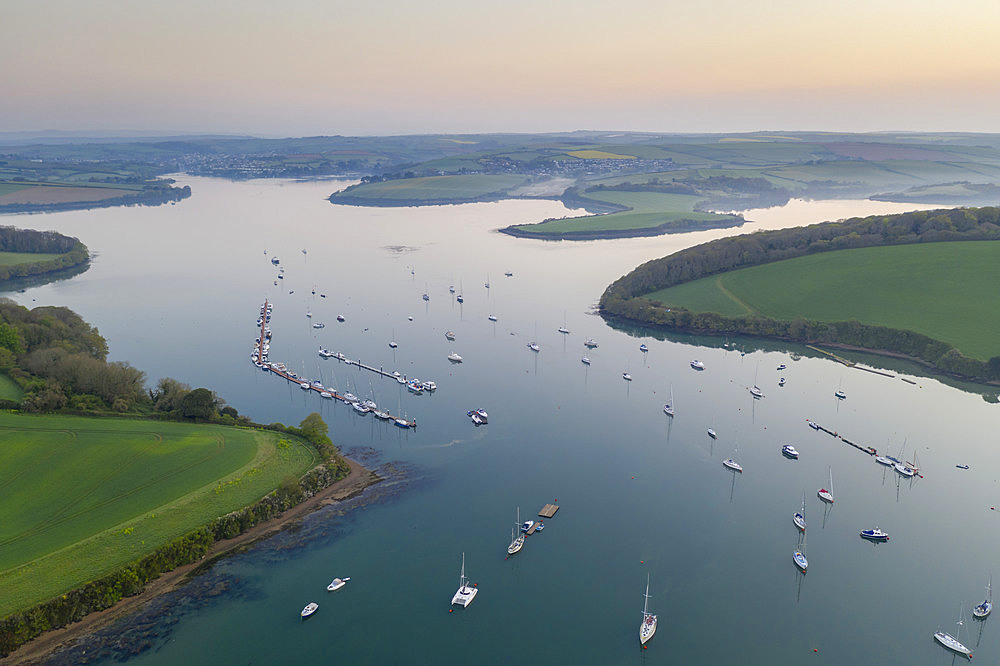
516, 542
392, 342
824, 494
465, 593
985, 608
563, 329
799, 518
732, 464
755, 390
799, 555
668, 408
648, 626
951, 642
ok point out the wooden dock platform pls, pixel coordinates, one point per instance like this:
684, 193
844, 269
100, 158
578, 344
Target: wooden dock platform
548, 511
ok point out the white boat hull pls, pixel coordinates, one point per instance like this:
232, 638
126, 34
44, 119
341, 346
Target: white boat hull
952, 643
464, 596
647, 629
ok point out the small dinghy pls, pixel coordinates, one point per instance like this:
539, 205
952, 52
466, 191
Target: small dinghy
337, 583
309, 609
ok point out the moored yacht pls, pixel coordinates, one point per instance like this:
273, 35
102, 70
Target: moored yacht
585, 360
982, 610
874, 534
516, 542
789, 451
590, 344
626, 376
648, 626
697, 365
466, 593
309, 609
454, 358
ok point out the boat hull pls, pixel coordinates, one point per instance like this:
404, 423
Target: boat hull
950, 642
464, 596
647, 629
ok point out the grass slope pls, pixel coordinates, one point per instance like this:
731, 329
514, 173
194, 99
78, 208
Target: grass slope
648, 209
81, 497
13, 258
947, 291
9, 389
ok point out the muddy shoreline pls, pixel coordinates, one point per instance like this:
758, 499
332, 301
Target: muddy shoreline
40, 648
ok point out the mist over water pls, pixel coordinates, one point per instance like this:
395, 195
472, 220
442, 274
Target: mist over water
176, 291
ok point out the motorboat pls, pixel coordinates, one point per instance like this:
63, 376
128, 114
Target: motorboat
429, 385
340, 318
370, 404
539, 526
349, 397
337, 583
492, 317
590, 344
466, 593
626, 376
697, 365
789, 451
527, 525
450, 335
648, 626
414, 387
454, 358
309, 609
325, 394
304, 386
317, 384
585, 360
814, 425
360, 408
874, 534
477, 419
478, 416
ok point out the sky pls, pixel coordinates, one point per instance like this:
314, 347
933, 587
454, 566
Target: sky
311, 67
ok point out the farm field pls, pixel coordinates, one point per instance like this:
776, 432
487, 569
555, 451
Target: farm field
13, 258
944, 290
433, 188
82, 496
648, 209
51, 194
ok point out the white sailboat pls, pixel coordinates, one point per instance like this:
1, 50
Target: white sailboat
985, 608
516, 543
648, 626
827, 494
952, 643
799, 518
732, 464
799, 555
465, 593
668, 408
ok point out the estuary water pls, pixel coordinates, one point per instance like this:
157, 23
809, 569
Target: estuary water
176, 291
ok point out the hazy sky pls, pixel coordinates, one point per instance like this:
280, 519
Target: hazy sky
304, 67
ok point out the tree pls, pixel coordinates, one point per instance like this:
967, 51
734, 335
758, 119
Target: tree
198, 404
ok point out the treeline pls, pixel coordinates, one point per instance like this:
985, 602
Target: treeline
60, 362
72, 252
19, 628
624, 298
149, 195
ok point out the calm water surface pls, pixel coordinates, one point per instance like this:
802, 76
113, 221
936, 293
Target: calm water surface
175, 289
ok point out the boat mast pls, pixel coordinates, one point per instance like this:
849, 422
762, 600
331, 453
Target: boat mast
645, 605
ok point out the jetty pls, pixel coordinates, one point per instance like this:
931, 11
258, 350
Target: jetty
381, 372
260, 359
870, 450
548, 511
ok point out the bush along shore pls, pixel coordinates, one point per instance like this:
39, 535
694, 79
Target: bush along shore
625, 297
19, 628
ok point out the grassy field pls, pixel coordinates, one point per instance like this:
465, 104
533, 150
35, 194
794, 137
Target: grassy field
649, 209
9, 390
12, 258
947, 291
599, 155
81, 497
436, 188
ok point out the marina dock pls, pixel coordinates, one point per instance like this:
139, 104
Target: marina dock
548, 511
870, 450
280, 370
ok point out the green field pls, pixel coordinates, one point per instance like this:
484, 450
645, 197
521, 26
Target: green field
434, 188
81, 496
12, 258
648, 209
947, 291
9, 390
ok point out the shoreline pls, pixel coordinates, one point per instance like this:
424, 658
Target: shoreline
41, 647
